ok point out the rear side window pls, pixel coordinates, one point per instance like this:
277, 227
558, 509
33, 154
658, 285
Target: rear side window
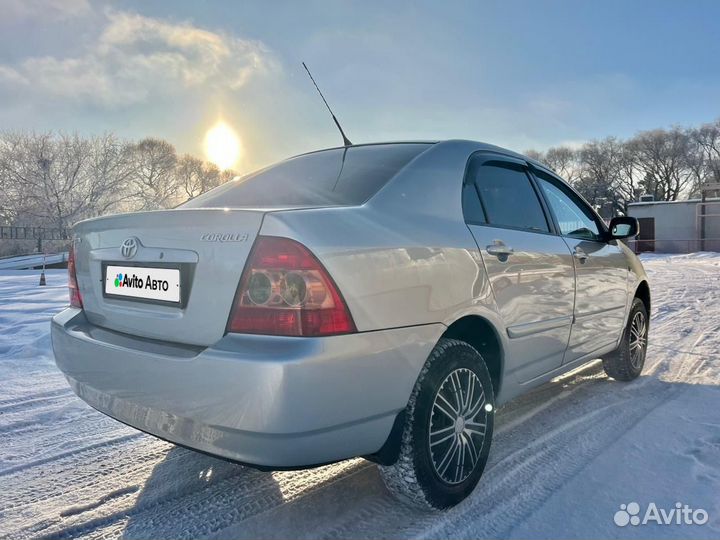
342, 176
509, 198
472, 209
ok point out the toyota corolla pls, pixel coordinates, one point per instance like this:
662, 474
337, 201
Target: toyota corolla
376, 300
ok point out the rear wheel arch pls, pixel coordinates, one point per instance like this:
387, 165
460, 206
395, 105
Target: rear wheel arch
479, 333
461, 423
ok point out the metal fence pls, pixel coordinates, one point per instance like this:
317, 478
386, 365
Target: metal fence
16, 240
12, 232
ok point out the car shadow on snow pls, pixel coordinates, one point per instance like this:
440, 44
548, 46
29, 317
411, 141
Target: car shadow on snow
190, 495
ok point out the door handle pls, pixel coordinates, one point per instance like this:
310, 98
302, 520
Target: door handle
500, 250
580, 255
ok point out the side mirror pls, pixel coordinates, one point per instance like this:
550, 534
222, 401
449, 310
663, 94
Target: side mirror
623, 227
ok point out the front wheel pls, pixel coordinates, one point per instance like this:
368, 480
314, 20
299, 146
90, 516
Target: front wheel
627, 361
448, 429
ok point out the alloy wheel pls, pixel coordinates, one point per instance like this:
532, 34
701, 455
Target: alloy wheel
638, 339
458, 423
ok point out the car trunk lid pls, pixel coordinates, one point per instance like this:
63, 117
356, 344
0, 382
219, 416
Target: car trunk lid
209, 247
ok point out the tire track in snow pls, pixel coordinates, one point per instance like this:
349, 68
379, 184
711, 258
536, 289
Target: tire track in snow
57, 457
38, 397
239, 493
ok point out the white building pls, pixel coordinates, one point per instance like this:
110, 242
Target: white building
677, 226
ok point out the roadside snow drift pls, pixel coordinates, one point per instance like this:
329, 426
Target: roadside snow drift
564, 459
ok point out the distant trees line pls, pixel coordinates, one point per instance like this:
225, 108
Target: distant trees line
669, 164
56, 179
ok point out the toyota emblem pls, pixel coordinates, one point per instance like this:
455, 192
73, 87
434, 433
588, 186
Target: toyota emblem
129, 247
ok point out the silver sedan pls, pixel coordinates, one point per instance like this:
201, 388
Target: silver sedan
376, 300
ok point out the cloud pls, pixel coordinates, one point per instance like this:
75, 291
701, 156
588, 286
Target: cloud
15, 10
135, 58
574, 144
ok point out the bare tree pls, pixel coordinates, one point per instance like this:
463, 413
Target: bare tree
663, 160
21, 157
668, 164
561, 159
534, 154
195, 177
627, 186
564, 161
599, 173
48, 177
707, 138
108, 169
55, 179
152, 179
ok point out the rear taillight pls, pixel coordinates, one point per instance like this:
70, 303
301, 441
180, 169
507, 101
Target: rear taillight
75, 298
285, 291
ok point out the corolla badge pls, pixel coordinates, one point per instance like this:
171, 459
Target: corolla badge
224, 237
129, 247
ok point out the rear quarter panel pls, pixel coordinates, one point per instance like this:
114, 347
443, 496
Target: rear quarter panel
406, 257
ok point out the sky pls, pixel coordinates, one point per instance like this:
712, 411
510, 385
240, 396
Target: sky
520, 74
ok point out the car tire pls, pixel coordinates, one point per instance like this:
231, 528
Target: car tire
627, 361
448, 429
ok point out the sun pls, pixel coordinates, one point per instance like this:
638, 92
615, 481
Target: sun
222, 145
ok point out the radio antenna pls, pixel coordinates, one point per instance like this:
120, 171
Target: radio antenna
346, 141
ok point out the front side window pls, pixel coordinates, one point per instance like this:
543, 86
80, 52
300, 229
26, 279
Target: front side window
574, 218
508, 197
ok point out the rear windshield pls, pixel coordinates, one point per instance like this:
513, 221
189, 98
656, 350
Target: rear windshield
342, 176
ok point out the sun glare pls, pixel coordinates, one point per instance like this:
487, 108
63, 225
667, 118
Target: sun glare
222, 146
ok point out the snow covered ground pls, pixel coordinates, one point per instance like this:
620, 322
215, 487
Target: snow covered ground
563, 460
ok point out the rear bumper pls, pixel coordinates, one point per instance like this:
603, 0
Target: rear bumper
262, 400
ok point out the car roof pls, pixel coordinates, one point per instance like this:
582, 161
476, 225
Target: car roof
464, 142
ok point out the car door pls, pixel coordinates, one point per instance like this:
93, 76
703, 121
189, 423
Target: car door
600, 268
529, 266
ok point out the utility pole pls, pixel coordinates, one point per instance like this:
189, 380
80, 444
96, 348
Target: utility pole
702, 219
